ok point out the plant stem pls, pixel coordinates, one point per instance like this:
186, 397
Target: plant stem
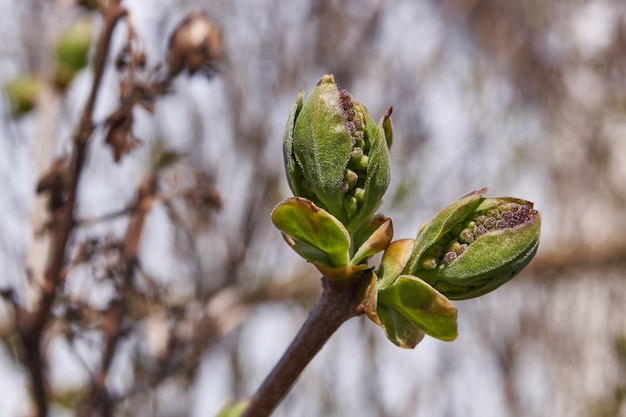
31, 325
338, 302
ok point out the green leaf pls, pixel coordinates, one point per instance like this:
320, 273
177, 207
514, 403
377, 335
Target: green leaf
394, 260
72, 51
377, 241
365, 231
313, 233
295, 177
398, 328
387, 128
421, 305
68, 398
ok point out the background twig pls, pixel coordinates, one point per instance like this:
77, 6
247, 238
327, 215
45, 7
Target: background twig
32, 324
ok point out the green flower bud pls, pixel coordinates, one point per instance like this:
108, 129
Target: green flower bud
22, 93
475, 245
336, 155
72, 51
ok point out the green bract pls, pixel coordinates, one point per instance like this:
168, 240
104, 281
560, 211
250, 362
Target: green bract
475, 245
336, 155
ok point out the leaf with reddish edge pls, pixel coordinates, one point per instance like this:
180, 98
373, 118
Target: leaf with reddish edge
312, 232
394, 260
398, 328
377, 241
421, 305
369, 299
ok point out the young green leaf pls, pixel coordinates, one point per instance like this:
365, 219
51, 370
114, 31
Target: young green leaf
377, 241
421, 305
400, 330
312, 232
394, 260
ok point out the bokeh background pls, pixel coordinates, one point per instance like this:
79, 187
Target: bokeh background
527, 98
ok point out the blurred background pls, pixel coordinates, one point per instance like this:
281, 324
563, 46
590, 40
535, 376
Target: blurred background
526, 98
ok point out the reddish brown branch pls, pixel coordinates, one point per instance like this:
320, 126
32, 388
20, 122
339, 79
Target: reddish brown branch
32, 342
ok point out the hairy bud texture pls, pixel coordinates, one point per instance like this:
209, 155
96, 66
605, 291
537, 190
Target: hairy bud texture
475, 245
336, 155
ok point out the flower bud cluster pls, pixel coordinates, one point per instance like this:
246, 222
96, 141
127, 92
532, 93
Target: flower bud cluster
335, 155
353, 185
459, 239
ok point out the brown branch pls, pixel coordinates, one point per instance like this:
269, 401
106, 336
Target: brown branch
164, 198
32, 324
32, 343
337, 303
98, 400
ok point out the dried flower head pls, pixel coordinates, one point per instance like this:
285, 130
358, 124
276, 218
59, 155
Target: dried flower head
195, 44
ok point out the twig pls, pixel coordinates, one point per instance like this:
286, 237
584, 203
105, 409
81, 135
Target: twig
31, 325
337, 303
164, 198
98, 398
88, 221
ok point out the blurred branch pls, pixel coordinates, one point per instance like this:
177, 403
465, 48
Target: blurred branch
198, 195
577, 257
98, 400
31, 324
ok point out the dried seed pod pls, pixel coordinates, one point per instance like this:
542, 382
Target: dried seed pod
195, 44
120, 136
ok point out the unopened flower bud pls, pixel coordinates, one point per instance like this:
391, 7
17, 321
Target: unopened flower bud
430, 262
22, 93
336, 155
72, 51
487, 241
466, 236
